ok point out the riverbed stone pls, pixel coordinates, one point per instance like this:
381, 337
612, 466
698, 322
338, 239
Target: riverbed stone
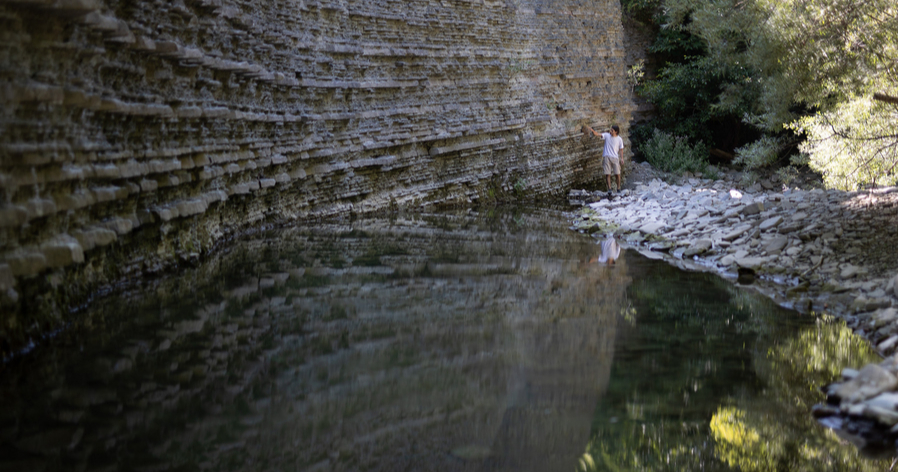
882, 317
885, 416
849, 373
892, 286
776, 245
888, 344
808, 236
698, 247
848, 271
876, 303
736, 232
752, 209
770, 223
652, 227
871, 381
750, 262
790, 227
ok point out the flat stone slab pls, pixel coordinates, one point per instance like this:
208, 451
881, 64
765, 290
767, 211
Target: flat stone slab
751, 262
753, 209
736, 233
652, 228
698, 247
771, 223
848, 271
790, 227
776, 244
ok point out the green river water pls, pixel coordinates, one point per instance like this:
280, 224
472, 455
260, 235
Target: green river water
453, 341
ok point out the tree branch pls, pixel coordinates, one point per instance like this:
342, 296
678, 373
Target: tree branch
885, 98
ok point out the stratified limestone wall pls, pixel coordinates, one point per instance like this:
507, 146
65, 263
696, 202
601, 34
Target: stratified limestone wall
134, 134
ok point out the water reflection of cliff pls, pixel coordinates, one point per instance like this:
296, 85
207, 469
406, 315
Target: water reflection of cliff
440, 343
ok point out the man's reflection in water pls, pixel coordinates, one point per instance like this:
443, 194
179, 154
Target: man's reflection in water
610, 251
563, 352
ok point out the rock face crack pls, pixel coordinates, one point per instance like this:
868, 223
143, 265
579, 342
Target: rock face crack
137, 134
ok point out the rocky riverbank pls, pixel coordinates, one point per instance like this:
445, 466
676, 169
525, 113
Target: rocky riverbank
823, 251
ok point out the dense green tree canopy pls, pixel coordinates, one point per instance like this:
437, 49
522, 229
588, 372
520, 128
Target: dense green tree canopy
822, 70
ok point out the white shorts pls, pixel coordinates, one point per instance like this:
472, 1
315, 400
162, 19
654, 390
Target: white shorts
611, 165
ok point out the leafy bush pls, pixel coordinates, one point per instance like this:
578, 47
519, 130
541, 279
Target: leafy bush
787, 174
760, 153
641, 10
674, 153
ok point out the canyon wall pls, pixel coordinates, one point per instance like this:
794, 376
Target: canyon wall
137, 134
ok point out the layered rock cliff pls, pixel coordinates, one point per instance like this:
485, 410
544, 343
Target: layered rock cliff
135, 134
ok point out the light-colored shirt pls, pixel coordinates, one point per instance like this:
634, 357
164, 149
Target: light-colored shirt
613, 144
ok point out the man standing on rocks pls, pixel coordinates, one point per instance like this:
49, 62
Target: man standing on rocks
614, 144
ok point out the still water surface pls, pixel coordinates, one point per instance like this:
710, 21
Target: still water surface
430, 342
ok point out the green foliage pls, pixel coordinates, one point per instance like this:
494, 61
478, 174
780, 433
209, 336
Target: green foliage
807, 66
760, 153
832, 48
697, 91
787, 174
635, 73
674, 153
749, 178
853, 144
641, 10
790, 172
632, 6
677, 43
682, 97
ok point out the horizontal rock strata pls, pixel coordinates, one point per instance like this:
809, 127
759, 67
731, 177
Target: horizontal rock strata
137, 134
